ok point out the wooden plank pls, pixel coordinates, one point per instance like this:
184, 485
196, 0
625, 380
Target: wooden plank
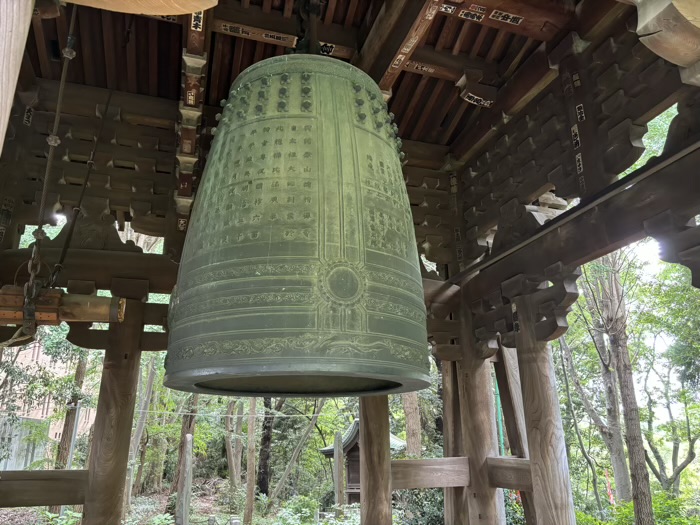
131, 57
339, 469
15, 19
429, 473
510, 473
110, 48
37, 488
551, 483
274, 28
152, 57
375, 461
399, 28
446, 352
542, 20
41, 47
113, 420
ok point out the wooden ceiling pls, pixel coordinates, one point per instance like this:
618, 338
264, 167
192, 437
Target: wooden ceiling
143, 55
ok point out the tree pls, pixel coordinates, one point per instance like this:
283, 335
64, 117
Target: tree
413, 424
250, 467
266, 444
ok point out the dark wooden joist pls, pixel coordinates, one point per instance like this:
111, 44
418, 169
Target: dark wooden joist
428, 61
38, 488
429, 473
424, 155
539, 19
575, 238
398, 30
273, 28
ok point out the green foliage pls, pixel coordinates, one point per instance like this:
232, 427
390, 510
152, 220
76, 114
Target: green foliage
667, 511
69, 518
514, 508
162, 519
584, 519
421, 507
300, 510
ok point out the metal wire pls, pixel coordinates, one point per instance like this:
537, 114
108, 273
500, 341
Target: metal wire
76, 209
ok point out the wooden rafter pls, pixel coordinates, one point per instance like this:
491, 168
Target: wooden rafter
397, 32
538, 19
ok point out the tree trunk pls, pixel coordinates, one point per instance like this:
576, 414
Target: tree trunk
250, 467
615, 441
615, 313
266, 444
138, 433
413, 427
238, 445
297, 452
188, 425
69, 420
138, 482
230, 462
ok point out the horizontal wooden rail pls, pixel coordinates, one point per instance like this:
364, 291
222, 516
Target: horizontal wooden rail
429, 473
37, 488
510, 473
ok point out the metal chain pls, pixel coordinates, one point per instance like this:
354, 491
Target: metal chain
34, 285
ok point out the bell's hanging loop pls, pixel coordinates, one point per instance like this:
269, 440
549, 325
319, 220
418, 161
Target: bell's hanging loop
300, 273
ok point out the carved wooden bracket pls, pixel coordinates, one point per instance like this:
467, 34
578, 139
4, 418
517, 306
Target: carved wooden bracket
495, 320
679, 239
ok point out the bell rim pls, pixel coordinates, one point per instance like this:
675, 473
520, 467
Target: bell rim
189, 380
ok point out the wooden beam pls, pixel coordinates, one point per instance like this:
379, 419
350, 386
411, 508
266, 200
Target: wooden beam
15, 19
606, 227
98, 266
38, 488
510, 473
273, 28
375, 461
429, 473
539, 19
424, 155
427, 60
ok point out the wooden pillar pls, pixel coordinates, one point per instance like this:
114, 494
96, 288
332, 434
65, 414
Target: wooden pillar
15, 18
455, 503
545, 435
375, 461
485, 505
339, 472
113, 420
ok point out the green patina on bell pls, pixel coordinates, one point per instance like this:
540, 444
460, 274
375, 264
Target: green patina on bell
300, 272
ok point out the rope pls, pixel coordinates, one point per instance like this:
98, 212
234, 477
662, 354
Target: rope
76, 209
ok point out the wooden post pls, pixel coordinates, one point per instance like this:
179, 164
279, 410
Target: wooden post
115, 413
484, 503
375, 461
339, 473
184, 489
455, 503
545, 435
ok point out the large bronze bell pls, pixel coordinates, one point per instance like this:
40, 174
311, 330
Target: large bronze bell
300, 271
